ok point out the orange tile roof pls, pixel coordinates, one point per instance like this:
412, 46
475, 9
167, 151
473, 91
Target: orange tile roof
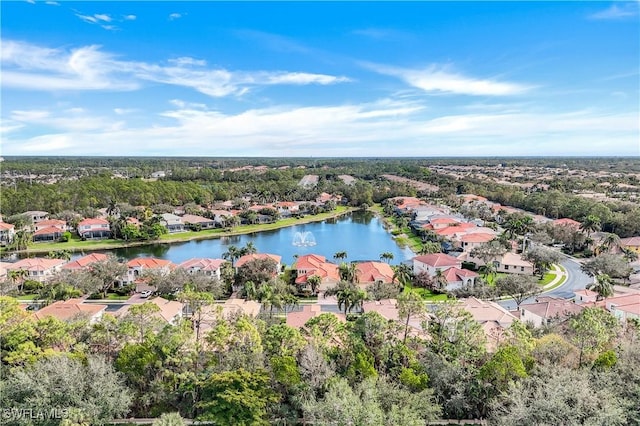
300, 318
52, 222
437, 260
477, 237
69, 309
454, 274
191, 218
148, 262
86, 261
48, 230
6, 226
566, 222
35, 264
374, 271
203, 264
315, 265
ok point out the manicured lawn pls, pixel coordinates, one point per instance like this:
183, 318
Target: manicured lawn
548, 277
113, 296
76, 244
428, 295
27, 297
491, 279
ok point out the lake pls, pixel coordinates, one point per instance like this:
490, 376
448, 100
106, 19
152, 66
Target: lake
360, 234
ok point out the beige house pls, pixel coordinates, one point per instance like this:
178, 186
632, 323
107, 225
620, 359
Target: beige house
548, 310
38, 269
136, 267
513, 263
208, 267
67, 310
493, 318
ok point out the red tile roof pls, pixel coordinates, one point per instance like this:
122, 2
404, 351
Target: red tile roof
35, 264
85, 261
191, 218
51, 222
630, 242
437, 260
48, 231
94, 221
202, 264
454, 275
6, 226
566, 222
148, 262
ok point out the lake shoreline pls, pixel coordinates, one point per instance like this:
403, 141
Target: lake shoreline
84, 246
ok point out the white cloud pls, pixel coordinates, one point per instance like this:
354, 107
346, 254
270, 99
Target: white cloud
103, 17
185, 60
89, 68
31, 1
130, 17
617, 11
52, 3
175, 16
438, 79
384, 128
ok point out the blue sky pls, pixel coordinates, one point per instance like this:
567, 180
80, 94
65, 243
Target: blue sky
320, 79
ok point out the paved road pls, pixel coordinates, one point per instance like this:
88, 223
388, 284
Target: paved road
576, 280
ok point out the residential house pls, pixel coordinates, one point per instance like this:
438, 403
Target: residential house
171, 311
493, 318
388, 309
313, 264
39, 269
432, 263
300, 318
95, 228
138, 266
220, 217
85, 261
208, 267
260, 256
36, 216
172, 222
231, 308
548, 310
49, 230
7, 233
446, 266
567, 222
3, 269
373, 272
470, 241
198, 222
585, 297
513, 263
67, 310
632, 243
324, 198
624, 306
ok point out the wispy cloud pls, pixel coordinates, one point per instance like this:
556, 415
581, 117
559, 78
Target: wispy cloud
33, 67
381, 33
384, 127
618, 10
439, 79
52, 3
175, 16
129, 17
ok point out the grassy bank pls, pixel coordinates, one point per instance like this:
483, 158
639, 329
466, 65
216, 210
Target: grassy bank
76, 245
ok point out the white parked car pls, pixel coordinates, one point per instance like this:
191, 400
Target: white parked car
145, 294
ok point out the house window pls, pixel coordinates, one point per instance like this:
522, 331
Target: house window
522, 268
506, 267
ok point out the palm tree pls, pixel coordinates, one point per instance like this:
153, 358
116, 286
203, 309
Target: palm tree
232, 254
314, 281
590, 224
348, 272
387, 256
609, 242
403, 273
340, 255
430, 247
349, 296
603, 286
249, 248
18, 275
439, 280
629, 255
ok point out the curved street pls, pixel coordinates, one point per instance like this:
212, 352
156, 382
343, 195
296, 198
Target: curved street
576, 280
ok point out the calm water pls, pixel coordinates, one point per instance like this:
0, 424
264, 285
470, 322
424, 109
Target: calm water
360, 234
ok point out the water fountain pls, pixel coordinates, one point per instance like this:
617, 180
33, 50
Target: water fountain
304, 239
